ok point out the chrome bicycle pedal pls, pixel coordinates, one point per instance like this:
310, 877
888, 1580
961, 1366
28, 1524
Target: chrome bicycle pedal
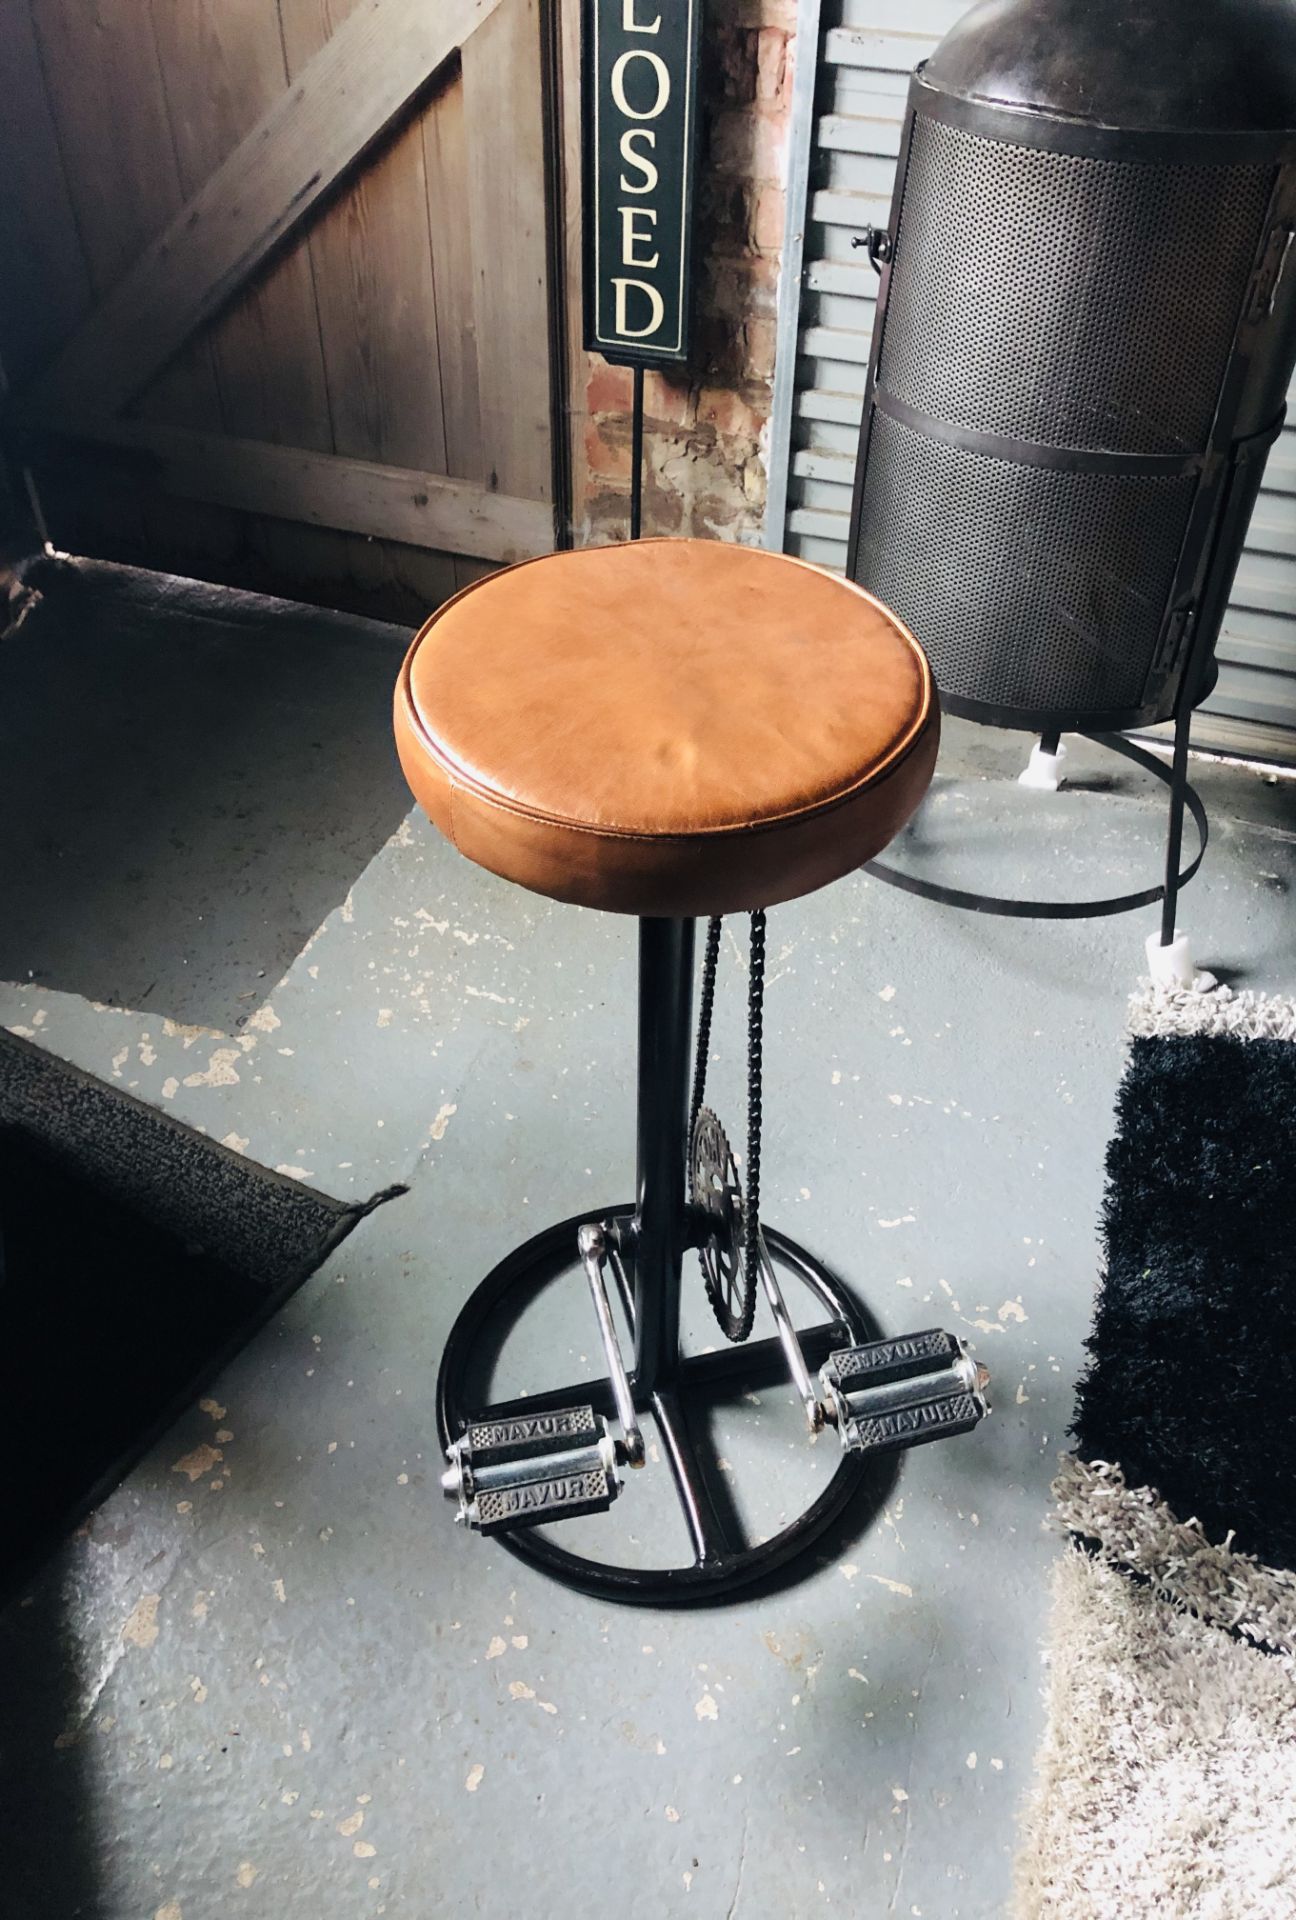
905, 1392
532, 1468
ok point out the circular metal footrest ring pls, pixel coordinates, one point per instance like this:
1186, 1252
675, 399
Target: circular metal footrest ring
1064, 909
719, 1568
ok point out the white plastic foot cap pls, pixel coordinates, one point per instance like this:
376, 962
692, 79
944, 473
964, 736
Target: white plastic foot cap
1043, 770
1172, 967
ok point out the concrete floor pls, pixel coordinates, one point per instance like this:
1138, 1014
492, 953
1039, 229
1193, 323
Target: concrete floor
269, 1678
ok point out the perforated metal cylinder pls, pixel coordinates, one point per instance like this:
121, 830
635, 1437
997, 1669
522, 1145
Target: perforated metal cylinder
1084, 333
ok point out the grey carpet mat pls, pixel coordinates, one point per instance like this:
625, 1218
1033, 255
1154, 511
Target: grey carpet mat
260, 1224
135, 1257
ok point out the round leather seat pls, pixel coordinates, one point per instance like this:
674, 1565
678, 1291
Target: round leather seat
673, 727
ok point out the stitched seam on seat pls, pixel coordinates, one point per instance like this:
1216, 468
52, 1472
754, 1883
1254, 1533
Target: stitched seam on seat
610, 830
780, 823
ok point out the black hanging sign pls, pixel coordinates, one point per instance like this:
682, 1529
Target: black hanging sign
640, 122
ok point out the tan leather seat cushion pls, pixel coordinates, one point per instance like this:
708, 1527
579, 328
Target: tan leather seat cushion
675, 727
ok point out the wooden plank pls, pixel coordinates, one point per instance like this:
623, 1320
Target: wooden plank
866, 47
1246, 693
445, 149
819, 525
349, 94
854, 210
39, 306
1266, 583
372, 267
842, 377
378, 314
222, 71
816, 463
823, 496
859, 133
1214, 732
373, 280
871, 174
830, 436
401, 582
506, 207
857, 89
934, 17
1273, 652
820, 553
1272, 528
328, 490
1280, 468
791, 282
115, 137
113, 131
822, 403
1244, 739
1249, 625
837, 343
839, 276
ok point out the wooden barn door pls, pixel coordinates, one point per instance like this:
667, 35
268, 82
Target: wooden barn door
281, 311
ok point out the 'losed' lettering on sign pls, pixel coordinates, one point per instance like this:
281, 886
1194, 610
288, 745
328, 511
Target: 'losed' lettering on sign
640, 100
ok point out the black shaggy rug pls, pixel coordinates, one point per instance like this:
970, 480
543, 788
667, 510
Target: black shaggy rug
135, 1256
1192, 1381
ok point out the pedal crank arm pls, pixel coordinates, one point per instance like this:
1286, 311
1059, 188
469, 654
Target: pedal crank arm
592, 1241
791, 1345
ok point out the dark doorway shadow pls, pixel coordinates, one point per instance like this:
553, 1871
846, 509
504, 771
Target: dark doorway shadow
191, 778
56, 1873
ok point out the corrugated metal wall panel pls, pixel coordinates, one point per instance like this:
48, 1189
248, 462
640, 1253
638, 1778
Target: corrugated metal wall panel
868, 50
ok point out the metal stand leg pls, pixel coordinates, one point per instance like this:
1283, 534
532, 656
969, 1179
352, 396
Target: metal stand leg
1184, 798
636, 453
1174, 836
1044, 768
1169, 958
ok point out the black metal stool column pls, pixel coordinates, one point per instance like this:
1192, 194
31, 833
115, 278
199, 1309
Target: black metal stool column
665, 1038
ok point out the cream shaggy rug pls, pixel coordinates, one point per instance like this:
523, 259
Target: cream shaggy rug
1167, 1780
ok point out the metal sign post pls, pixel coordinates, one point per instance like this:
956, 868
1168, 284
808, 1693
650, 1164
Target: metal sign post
640, 86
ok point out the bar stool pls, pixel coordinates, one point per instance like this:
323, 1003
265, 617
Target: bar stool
671, 729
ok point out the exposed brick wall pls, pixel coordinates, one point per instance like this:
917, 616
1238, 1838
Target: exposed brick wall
704, 429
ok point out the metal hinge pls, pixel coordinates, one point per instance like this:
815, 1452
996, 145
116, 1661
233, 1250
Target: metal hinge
1174, 640
1269, 273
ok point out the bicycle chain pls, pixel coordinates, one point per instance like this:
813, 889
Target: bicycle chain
736, 1326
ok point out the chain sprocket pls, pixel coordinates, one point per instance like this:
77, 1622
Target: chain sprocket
716, 1191
730, 1258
